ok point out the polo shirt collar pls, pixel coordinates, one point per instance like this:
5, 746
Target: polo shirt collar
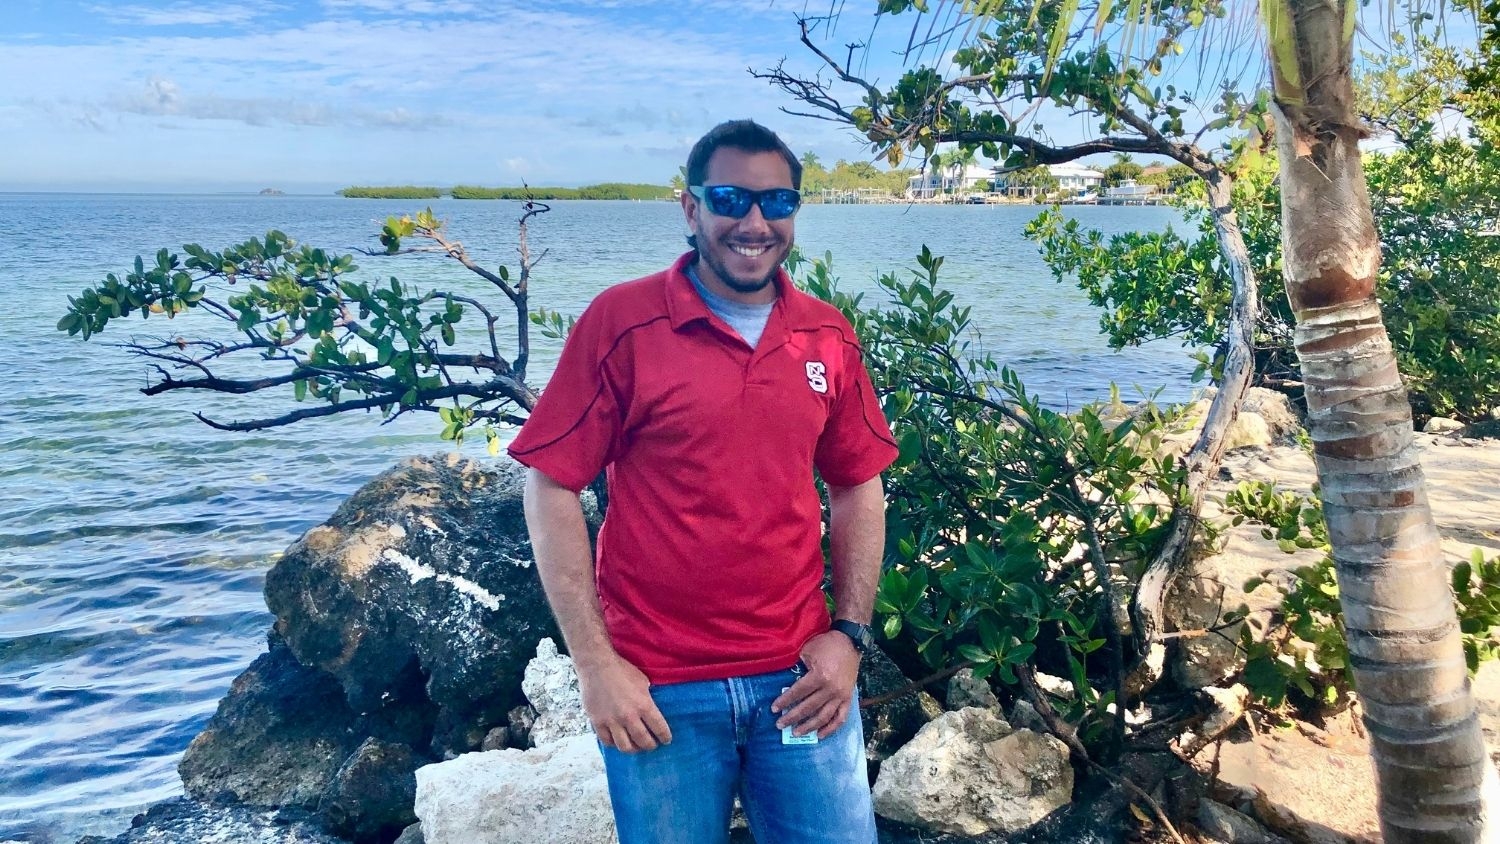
684, 305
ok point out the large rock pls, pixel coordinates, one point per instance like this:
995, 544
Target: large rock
277, 738
551, 684
426, 570
370, 797
552, 793
1197, 603
969, 773
1442, 425
1266, 418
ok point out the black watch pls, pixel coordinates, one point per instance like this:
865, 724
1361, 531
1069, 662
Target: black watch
860, 634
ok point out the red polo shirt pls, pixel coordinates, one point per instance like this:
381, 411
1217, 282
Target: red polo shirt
709, 561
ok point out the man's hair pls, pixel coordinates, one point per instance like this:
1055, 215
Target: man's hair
745, 135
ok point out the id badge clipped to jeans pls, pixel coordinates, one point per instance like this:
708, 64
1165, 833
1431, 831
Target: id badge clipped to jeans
786, 732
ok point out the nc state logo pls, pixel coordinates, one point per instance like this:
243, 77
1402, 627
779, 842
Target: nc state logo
815, 376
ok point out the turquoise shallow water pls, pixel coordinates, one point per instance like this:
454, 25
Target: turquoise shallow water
134, 539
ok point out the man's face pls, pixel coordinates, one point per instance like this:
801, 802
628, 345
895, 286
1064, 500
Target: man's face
740, 256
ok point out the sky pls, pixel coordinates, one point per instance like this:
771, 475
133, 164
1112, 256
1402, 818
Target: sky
313, 95
308, 96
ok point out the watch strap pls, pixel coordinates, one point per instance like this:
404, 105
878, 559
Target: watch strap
860, 634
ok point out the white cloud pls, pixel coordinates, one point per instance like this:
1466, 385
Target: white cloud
185, 13
164, 98
414, 7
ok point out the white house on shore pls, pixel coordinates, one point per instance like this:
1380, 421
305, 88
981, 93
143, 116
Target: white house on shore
933, 181
1072, 180
1076, 178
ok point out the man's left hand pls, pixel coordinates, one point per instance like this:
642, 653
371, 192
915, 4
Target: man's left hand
820, 700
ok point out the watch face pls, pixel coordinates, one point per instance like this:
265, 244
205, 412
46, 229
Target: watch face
860, 634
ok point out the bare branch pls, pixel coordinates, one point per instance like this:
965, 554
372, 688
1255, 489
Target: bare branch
424, 397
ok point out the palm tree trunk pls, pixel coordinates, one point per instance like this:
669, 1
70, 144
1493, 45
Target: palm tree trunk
1404, 642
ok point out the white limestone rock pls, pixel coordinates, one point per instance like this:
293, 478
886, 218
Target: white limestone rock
1442, 425
1198, 603
552, 793
970, 773
551, 684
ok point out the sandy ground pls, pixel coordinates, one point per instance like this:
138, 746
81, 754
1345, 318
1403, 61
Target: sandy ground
1325, 779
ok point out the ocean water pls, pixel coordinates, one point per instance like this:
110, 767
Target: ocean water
134, 539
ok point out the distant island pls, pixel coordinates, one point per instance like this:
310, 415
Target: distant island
273, 192
607, 190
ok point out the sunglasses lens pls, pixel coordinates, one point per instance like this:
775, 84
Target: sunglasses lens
779, 204
734, 202
729, 201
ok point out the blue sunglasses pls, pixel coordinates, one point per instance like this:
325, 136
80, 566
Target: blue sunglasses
735, 202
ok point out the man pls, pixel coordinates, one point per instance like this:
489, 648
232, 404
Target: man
709, 393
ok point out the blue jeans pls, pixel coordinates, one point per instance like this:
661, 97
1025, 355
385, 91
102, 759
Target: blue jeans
725, 741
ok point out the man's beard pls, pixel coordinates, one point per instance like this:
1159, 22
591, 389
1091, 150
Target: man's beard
739, 284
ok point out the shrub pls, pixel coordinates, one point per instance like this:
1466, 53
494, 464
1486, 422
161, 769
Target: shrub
1013, 531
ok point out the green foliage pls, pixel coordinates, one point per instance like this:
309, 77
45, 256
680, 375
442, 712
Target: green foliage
1154, 285
392, 192
607, 190
1435, 208
1288, 518
1169, 180
1121, 171
850, 176
1000, 509
1301, 647
1016, 58
553, 325
341, 343
1476, 586
1434, 202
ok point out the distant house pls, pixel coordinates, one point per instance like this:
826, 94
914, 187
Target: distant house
933, 181
1076, 178
1072, 179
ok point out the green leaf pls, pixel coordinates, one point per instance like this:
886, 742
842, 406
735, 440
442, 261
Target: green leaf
892, 626
974, 654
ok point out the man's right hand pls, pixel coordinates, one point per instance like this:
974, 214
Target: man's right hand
617, 699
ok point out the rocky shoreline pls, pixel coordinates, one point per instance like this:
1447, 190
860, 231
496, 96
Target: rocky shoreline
411, 673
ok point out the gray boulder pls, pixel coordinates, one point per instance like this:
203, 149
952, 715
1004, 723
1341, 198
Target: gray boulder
370, 797
965, 690
184, 821
893, 723
277, 738
426, 570
1225, 825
